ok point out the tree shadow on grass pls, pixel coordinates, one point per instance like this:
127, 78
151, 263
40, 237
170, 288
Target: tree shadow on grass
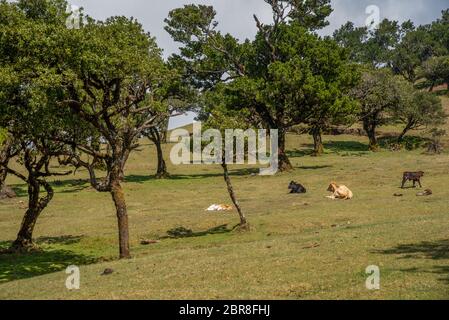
15, 266
346, 146
439, 270
232, 172
62, 240
67, 186
332, 147
442, 270
181, 232
434, 250
315, 167
71, 186
409, 142
296, 153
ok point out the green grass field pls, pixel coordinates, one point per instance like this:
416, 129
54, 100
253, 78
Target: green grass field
301, 246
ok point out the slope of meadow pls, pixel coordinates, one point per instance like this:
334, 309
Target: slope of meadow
301, 246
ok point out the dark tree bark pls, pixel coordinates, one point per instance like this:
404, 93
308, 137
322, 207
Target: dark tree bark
122, 166
156, 137
370, 129
3, 174
4, 193
5, 156
318, 147
162, 171
37, 169
36, 204
407, 128
284, 161
272, 123
244, 225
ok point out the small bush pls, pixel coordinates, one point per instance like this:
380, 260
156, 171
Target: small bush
409, 143
435, 146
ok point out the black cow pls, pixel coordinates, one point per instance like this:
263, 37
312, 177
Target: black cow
296, 187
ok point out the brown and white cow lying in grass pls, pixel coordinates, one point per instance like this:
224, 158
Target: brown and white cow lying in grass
339, 192
219, 207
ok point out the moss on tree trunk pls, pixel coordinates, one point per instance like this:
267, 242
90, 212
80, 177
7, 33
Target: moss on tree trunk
118, 196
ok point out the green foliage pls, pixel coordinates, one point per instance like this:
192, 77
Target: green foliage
371, 46
3, 135
404, 48
310, 14
309, 77
116, 81
419, 110
352, 39
440, 31
379, 93
283, 77
381, 41
190, 22
30, 82
62, 90
45, 11
435, 145
217, 115
388, 99
435, 71
416, 47
31, 87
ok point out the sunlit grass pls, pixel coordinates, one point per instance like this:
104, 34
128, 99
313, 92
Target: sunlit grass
301, 246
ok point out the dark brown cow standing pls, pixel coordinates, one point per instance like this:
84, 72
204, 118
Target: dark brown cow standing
412, 176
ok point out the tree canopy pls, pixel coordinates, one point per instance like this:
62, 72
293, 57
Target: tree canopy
282, 76
30, 88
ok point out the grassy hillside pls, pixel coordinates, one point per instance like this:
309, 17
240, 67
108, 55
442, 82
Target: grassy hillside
301, 246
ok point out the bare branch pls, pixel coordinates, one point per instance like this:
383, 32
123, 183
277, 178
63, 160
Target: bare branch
266, 35
17, 174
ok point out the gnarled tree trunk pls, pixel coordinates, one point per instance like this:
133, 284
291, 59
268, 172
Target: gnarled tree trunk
371, 132
118, 196
112, 184
318, 147
162, 171
24, 240
4, 193
5, 151
3, 174
156, 137
284, 161
122, 166
407, 128
244, 225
